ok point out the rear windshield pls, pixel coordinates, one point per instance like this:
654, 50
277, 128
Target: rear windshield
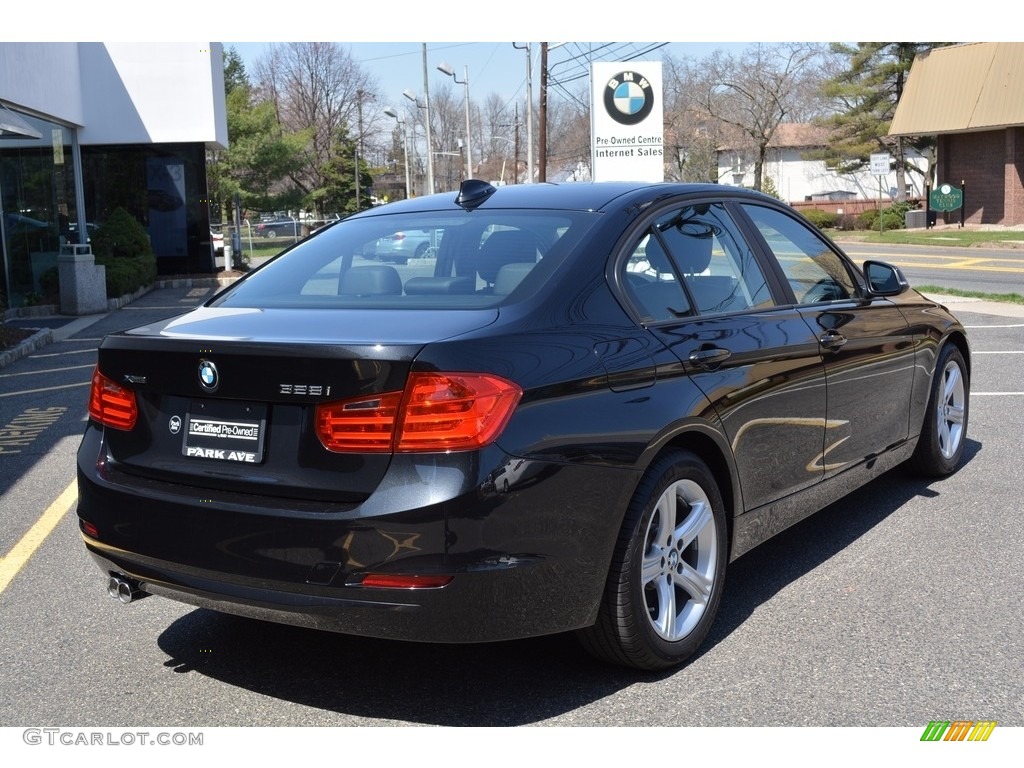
457, 260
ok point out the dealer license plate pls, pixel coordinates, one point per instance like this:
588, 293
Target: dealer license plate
225, 431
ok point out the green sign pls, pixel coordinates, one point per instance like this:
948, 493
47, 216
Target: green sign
946, 197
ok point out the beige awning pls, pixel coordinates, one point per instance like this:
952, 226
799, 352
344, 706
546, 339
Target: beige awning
963, 88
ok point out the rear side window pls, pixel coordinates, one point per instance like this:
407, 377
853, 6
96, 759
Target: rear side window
814, 271
718, 267
692, 261
457, 260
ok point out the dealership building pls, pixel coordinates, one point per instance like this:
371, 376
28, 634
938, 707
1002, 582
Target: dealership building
86, 128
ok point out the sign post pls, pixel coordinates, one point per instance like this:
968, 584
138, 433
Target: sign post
880, 162
946, 197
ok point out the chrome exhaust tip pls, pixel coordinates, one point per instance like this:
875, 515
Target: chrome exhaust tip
124, 589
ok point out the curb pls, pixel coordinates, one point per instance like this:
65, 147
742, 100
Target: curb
36, 341
195, 282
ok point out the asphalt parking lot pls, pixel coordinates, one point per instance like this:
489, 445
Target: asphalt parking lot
897, 606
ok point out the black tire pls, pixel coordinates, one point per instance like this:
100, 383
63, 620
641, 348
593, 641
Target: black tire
944, 431
421, 251
270, 234
656, 616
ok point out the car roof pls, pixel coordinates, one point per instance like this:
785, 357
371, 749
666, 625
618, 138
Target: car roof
586, 196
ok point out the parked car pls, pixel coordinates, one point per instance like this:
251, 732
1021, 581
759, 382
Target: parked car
600, 396
272, 227
217, 241
402, 245
90, 231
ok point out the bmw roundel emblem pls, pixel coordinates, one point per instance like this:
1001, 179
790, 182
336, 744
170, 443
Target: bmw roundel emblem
628, 98
208, 377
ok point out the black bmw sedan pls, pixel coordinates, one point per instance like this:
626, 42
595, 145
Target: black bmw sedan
572, 417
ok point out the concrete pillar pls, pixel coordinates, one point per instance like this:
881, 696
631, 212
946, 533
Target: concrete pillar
83, 283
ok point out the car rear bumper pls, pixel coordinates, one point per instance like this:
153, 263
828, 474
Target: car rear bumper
526, 561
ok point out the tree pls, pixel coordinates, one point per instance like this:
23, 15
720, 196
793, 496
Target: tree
568, 145
259, 153
865, 93
755, 92
337, 192
318, 91
692, 135
234, 71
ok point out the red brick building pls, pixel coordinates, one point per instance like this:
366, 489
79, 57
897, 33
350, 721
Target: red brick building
971, 98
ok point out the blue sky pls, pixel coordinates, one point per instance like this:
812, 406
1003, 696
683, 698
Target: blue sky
494, 67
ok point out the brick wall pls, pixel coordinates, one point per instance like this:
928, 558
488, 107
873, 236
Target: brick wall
990, 164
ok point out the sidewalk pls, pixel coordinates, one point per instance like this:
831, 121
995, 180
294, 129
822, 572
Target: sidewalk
957, 304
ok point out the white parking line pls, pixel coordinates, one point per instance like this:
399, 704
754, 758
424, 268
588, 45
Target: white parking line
91, 350
45, 389
46, 370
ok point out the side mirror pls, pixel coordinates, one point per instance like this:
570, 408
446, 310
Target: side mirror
884, 279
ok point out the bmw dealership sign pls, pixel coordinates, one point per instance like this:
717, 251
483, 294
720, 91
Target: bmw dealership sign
627, 136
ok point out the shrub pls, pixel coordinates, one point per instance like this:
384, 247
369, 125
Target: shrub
819, 218
125, 275
893, 217
847, 222
868, 219
49, 284
121, 236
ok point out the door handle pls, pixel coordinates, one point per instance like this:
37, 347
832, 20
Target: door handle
709, 357
832, 340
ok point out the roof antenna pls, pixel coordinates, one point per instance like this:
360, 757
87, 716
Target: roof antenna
472, 192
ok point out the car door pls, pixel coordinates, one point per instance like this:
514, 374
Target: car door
698, 287
866, 343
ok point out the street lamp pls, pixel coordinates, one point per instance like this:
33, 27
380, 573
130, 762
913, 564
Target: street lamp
426, 124
444, 67
405, 148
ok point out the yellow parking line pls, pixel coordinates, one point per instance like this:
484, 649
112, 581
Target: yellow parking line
14, 561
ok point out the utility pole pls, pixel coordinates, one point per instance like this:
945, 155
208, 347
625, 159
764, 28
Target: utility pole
515, 150
542, 140
426, 120
529, 109
359, 143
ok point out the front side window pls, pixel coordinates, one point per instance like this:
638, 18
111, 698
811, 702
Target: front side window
814, 271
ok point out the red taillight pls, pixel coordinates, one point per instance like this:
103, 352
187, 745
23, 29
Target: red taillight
436, 412
111, 404
403, 581
398, 236
366, 425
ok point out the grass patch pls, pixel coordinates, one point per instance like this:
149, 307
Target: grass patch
1006, 298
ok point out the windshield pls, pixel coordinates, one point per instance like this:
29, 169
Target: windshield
456, 260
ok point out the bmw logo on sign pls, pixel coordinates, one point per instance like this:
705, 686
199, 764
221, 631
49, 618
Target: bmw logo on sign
628, 98
208, 378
